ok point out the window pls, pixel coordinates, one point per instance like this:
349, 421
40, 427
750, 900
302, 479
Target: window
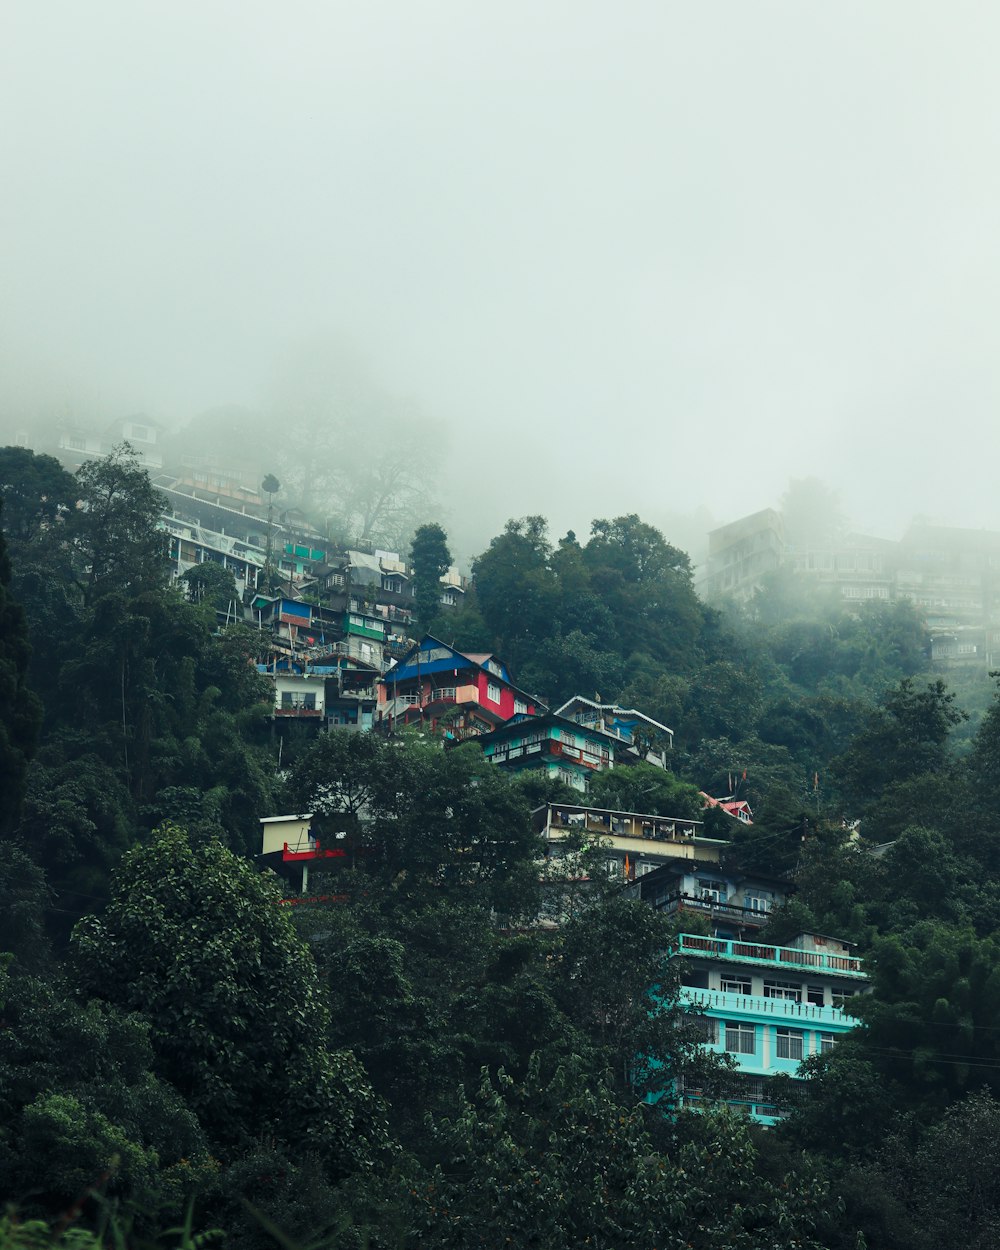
643, 867
695, 978
740, 1038
708, 1027
826, 1043
735, 983
788, 990
286, 698
757, 902
789, 1044
710, 889
520, 707
815, 995
493, 692
309, 700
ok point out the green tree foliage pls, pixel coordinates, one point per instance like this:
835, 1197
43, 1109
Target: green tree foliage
425, 821
20, 711
114, 530
516, 588
931, 1020
645, 788
906, 736
500, 1183
430, 559
212, 584
194, 943
38, 495
79, 1105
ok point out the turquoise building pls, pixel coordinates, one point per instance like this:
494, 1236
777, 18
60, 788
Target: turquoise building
768, 1007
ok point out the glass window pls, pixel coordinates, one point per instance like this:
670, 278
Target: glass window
788, 990
740, 1038
520, 707
826, 1043
708, 1027
815, 995
493, 692
789, 1044
735, 983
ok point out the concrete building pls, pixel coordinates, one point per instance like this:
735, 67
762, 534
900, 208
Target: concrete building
768, 1007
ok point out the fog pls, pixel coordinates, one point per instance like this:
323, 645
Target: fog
652, 257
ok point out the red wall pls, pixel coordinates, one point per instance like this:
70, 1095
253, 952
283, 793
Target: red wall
506, 705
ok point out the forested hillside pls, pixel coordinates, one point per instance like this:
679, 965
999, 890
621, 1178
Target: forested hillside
412, 1060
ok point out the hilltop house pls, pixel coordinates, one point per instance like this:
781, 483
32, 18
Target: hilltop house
767, 1006
650, 740
734, 904
636, 846
462, 694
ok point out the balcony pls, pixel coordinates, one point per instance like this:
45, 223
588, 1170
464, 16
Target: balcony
299, 705
714, 908
755, 953
548, 746
609, 824
753, 1006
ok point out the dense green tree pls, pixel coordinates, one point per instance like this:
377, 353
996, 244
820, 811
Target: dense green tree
430, 559
114, 531
23, 900
905, 736
78, 1102
648, 586
37, 495
645, 788
516, 589
499, 1182
568, 664
425, 821
212, 584
931, 1021
20, 710
194, 943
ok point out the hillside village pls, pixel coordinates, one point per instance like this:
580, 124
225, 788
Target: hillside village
714, 843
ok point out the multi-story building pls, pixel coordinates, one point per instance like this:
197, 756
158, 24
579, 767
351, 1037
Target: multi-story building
741, 553
191, 545
462, 695
550, 744
649, 739
733, 904
768, 1007
572, 748
636, 847
78, 443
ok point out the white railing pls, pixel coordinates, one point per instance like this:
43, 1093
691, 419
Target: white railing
755, 952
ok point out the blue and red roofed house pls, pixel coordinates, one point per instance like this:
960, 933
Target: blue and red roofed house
464, 693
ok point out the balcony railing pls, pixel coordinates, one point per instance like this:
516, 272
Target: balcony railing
753, 1005
613, 825
714, 907
754, 952
297, 707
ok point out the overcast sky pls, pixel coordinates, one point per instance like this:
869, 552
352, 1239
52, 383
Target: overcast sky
639, 256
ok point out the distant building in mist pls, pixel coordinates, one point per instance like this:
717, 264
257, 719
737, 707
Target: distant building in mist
741, 553
78, 443
952, 576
